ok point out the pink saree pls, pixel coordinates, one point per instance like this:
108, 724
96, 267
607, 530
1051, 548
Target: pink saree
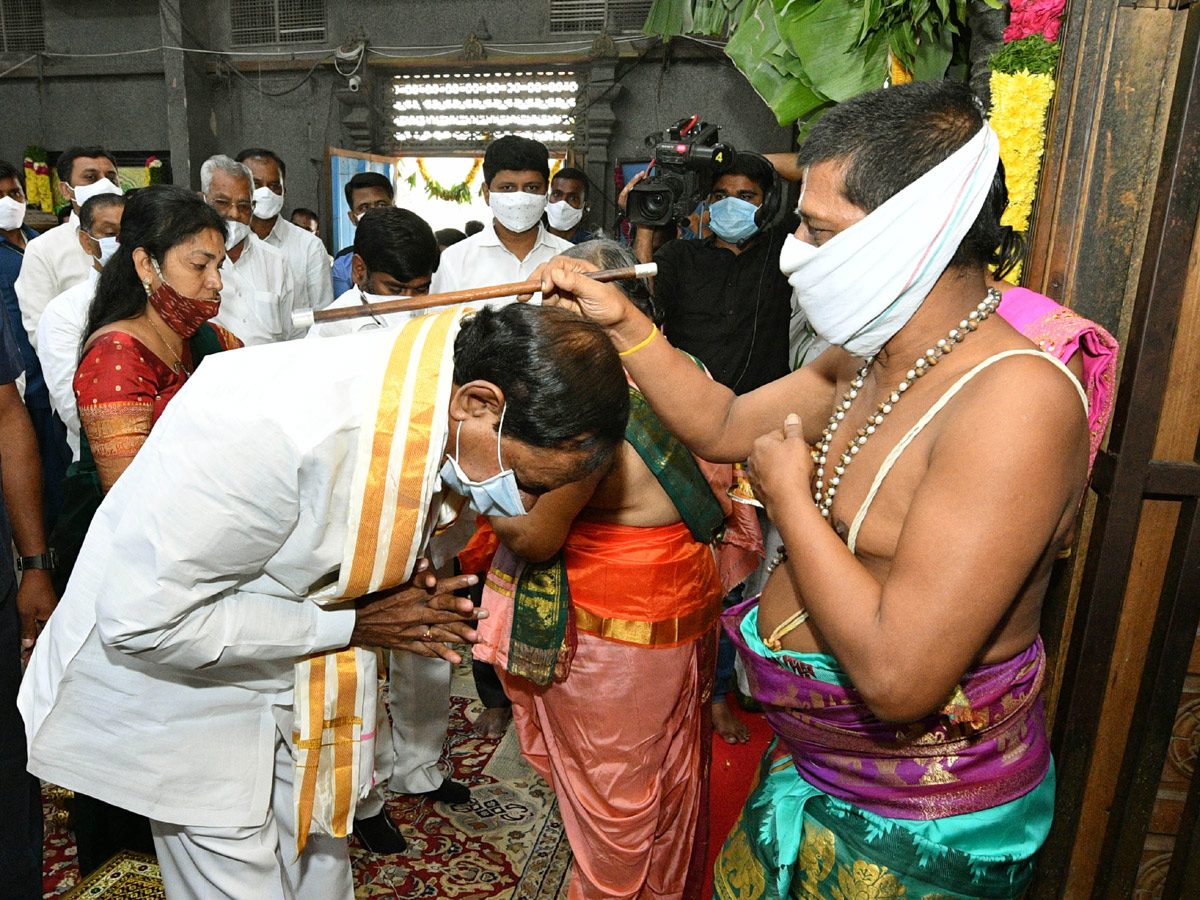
1062, 333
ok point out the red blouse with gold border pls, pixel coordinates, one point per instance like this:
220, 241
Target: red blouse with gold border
121, 388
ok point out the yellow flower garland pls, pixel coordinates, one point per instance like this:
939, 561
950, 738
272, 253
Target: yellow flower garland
458, 193
1019, 106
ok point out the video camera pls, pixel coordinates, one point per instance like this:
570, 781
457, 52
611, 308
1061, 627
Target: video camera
687, 161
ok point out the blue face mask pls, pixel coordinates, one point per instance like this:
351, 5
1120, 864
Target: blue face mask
732, 219
495, 496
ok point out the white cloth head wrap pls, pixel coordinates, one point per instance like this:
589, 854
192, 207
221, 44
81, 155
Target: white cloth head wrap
863, 285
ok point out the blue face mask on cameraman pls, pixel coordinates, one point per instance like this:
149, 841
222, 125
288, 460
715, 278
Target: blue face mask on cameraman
495, 496
732, 219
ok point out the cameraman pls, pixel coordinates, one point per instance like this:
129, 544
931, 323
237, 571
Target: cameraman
723, 297
724, 300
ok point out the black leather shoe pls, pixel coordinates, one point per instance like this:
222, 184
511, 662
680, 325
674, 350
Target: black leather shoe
450, 792
379, 835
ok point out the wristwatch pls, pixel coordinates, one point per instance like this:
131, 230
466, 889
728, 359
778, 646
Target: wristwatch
47, 560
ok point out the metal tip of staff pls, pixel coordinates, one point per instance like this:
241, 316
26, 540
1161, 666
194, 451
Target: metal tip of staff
302, 318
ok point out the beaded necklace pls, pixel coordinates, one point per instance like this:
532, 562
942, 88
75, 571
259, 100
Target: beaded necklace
824, 491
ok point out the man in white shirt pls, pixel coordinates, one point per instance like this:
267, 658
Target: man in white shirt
55, 261
303, 250
516, 173
393, 256
275, 513
63, 324
258, 293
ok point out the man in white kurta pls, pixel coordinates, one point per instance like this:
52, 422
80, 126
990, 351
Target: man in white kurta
303, 250
257, 295
483, 260
165, 681
56, 260
60, 334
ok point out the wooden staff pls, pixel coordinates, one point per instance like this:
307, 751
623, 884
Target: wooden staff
302, 318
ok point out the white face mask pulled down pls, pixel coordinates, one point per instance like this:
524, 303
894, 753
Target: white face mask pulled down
860, 287
267, 203
517, 210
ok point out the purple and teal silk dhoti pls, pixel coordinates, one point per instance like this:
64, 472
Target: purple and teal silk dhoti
849, 806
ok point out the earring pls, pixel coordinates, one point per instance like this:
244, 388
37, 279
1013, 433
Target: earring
146, 287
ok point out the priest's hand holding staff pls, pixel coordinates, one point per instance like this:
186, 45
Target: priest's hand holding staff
420, 617
569, 283
523, 290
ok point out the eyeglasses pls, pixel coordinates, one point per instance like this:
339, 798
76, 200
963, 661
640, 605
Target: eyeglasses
224, 207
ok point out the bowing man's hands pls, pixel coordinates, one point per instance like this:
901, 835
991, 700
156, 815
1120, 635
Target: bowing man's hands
420, 617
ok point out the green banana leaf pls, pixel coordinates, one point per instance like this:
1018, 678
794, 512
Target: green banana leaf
759, 52
825, 36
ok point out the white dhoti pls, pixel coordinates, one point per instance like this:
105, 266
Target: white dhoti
237, 863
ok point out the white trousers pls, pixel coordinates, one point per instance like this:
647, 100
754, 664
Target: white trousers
407, 754
254, 863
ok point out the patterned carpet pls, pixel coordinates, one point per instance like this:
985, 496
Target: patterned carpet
508, 844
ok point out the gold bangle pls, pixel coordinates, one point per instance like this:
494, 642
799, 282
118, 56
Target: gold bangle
638, 346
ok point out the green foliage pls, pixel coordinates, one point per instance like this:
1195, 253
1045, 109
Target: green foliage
1033, 54
803, 56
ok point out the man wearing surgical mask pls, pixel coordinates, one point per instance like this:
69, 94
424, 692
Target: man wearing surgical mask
58, 259
258, 293
100, 227
51, 436
395, 255
723, 297
516, 174
568, 205
303, 250
63, 324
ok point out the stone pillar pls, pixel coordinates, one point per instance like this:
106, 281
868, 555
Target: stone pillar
593, 136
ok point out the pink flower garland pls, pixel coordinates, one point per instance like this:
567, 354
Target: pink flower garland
1034, 17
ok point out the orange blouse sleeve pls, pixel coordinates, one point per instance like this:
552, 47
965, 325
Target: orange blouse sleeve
115, 390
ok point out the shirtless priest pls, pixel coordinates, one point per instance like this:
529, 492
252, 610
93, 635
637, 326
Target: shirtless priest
205, 665
923, 474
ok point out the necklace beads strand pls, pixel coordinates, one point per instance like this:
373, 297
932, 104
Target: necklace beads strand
825, 490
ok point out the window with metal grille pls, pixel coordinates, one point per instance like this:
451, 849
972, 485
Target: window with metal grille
465, 110
254, 22
592, 16
22, 26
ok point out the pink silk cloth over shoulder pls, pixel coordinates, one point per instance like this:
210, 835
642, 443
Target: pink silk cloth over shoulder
1062, 333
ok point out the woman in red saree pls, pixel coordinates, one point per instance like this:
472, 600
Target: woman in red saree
147, 331
148, 325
